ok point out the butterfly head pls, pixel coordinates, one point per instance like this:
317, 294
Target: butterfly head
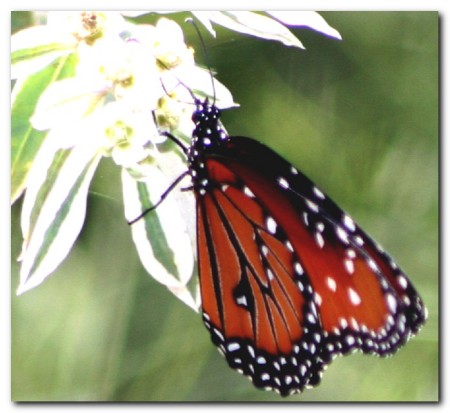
205, 112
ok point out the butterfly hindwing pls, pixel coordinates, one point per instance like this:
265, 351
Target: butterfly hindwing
365, 301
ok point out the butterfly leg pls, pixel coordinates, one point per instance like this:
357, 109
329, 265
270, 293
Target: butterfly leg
161, 199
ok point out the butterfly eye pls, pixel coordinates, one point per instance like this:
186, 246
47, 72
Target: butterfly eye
197, 116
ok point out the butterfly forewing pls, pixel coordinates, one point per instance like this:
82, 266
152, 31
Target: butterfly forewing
258, 315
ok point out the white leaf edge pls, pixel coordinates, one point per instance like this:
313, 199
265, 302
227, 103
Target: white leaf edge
253, 24
175, 231
80, 164
34, 37
310, 19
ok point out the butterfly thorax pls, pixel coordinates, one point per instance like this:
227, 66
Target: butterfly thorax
208, 136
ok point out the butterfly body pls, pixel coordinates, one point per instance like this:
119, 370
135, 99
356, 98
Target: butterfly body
288, 280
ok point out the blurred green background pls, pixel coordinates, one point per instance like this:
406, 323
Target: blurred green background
360, 117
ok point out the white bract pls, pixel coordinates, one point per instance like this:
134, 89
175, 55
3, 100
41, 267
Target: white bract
115, 88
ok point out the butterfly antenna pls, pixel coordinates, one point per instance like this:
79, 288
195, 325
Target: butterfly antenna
180, 82
205, 53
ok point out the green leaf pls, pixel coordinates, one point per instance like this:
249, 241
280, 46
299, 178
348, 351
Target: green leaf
25, 140
250, 23
48, 164
54, 210
309, 19
34, 48
161, 237
52, 50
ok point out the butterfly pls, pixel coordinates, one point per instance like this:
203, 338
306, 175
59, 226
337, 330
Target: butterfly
288, 280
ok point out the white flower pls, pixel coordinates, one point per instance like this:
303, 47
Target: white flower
169, 46
120, 85
36, 47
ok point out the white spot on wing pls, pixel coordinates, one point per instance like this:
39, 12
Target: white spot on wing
248, 192
317, 299
219, 334
350, 340
318, 193
402, 281
289, 246
348, 222
298, 268
342, 234
319, 239
349, 266
354, 297
305, 218
233, 346
312, 206
283, 183
242, 300
310, 317
261, 360
343, 322
354, 324
350, 253
359, 240
331, 283
373, 266
271, 225
391, 302
251, 351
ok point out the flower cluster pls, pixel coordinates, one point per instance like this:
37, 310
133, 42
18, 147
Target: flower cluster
98, 85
